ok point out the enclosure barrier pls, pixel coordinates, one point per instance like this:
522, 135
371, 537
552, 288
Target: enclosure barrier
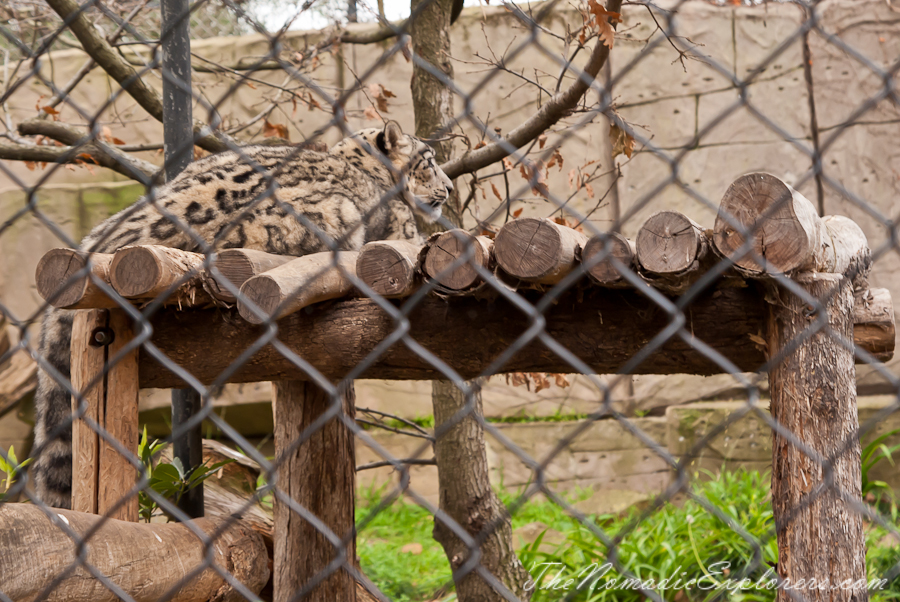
745, 314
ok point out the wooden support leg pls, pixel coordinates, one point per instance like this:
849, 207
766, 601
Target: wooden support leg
320, 475
101, 475
814, 397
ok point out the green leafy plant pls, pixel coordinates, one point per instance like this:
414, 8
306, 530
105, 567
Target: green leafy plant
875, 452
168, 479
11, 467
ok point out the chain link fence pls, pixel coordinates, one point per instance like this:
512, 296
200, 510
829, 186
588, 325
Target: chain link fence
595, 239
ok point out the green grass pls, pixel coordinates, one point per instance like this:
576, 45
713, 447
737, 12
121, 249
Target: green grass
673, 542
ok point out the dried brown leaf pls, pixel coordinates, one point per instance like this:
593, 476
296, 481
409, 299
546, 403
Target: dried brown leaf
622, 142
371, 113
496, 192
271, 130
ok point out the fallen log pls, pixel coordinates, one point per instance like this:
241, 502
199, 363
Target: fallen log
145, 272
297, 284
444, 249
388, 267
537, 249
55, 277
34, 551
603, 271
238, 266
785, 231
603, 327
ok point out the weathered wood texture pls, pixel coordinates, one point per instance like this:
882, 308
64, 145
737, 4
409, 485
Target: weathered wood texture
605, 328
670, 243
296, 284
446, 248
388, 267
785, 230
603, 271
139, 558
320, 475
538, 249
467, 498
59, 266
813, 390
238, 266
101, 475
148, 271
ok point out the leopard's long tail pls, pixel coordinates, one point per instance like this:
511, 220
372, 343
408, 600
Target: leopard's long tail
53, 408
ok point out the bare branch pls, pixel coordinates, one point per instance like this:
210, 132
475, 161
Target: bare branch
408, 461
558, 107
89, 153
96, 46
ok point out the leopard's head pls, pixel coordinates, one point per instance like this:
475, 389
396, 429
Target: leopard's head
425, 186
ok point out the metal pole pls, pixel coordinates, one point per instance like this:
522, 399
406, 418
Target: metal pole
178, 138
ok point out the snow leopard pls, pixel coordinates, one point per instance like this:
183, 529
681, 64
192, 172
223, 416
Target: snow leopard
277, 199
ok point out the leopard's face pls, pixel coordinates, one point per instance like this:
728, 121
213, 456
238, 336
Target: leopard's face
425, 186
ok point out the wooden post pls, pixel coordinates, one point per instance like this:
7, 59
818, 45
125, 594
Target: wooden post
319, 475
101, 475
814, 397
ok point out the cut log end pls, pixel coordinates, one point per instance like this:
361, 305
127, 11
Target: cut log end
388, 267
266, 293
60, 266
447, 248
783, 225
135, 271
603, 271
537, 250
669, 243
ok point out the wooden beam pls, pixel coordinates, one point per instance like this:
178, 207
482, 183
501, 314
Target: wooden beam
34, 552
320, 475
813, 387
603, 327
101, 475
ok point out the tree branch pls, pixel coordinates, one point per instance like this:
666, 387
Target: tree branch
558, 107
106, 57
13, 151
102, 153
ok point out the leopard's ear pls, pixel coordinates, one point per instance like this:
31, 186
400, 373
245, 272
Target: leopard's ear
391, 139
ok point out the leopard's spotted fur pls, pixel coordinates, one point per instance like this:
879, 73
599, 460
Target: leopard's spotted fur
275, 199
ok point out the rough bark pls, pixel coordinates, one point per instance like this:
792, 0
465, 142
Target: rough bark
101, 475
605, 328
319, 474
466, 496
297, 284
148, 271
813, 391
34, 551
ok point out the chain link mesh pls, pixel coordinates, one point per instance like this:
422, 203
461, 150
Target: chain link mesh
632, 146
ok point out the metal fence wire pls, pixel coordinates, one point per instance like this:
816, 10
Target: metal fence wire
577, 75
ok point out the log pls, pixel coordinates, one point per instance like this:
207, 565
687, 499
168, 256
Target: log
603, 327
136, 557
602, 271
59, 266
445, 248
101, 475
813, 387
297, 284
670, 244
148, 271
785, 230
239, 266
388, 267
538, 249
873, 322
320, 475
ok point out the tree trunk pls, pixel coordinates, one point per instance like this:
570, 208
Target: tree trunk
466, 496
319, 474
814, 398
